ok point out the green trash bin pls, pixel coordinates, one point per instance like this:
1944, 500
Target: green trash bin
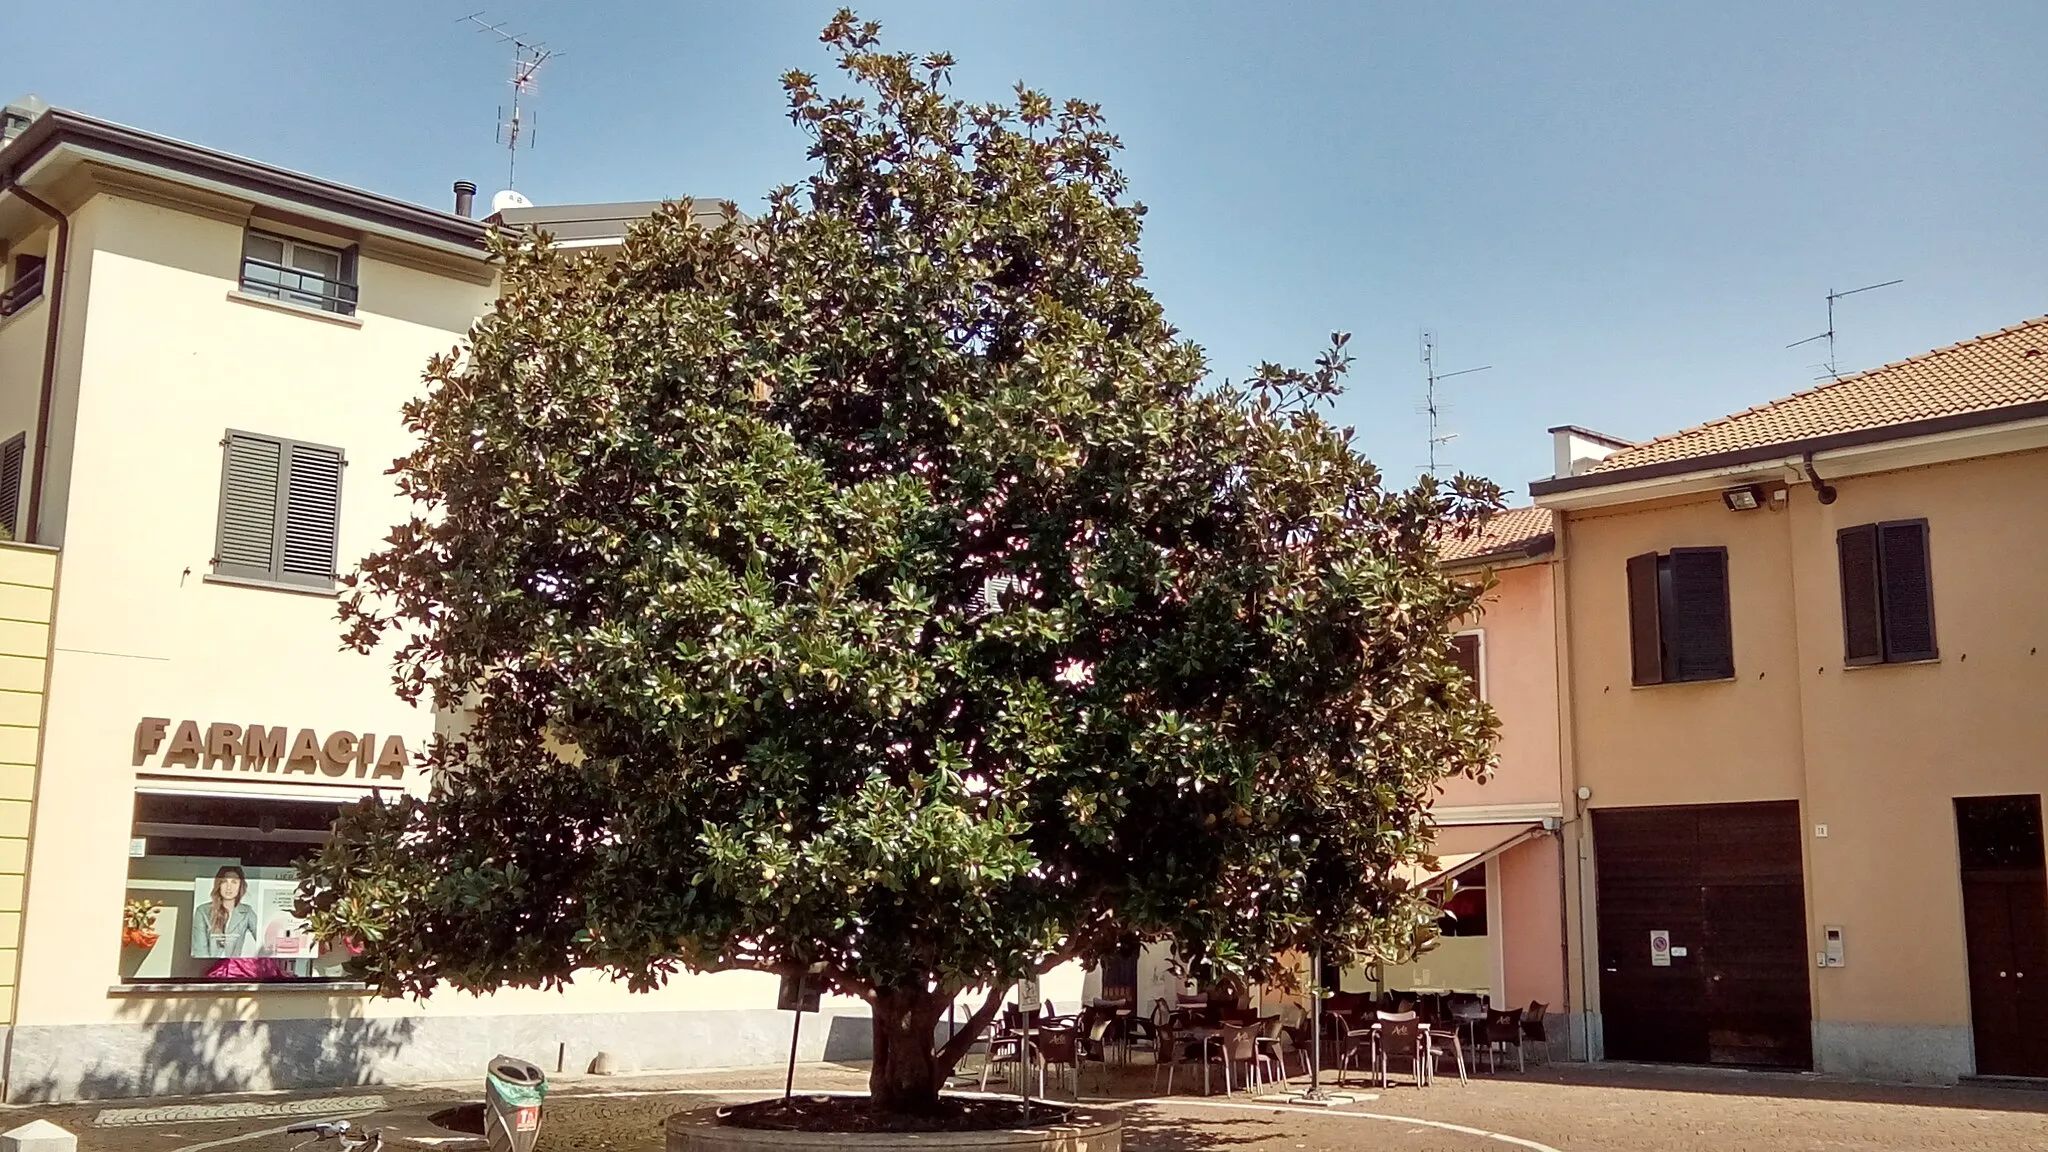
514, 1091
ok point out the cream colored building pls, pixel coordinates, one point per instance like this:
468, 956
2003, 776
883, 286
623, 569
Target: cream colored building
202, 363
1807, 654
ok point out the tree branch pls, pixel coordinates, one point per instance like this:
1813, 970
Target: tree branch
958, 1043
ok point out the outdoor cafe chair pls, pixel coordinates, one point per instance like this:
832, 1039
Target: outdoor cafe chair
1446, 1042
1057, 1048
1173, 1044
1274, 1042
1401, 1035
1094, 1048
1003, 1047
1136, 1033
1237, 1045
1532, 1028
1355, 1043
1503, 1030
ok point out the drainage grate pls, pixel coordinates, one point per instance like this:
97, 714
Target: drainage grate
251, 1110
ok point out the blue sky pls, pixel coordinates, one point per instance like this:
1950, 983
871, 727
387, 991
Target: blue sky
1626, 209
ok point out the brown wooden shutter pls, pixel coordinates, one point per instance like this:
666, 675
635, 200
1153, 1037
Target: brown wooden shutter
11, 455
1908, 590
1701, 644
1645, 634
1465, 654
1862, 624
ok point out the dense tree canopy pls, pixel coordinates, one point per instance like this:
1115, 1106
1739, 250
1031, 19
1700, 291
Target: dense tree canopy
883, 584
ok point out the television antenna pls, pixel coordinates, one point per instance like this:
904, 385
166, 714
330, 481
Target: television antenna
1830, 370
1432, 403
527, 58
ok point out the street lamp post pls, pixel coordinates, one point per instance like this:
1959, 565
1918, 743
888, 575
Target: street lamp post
1315, 1094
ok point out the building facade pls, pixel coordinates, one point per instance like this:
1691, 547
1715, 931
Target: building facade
1501, 870
1805, 655
1497, 843
202, 365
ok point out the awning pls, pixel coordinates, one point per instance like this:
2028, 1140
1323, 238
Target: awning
1463, 847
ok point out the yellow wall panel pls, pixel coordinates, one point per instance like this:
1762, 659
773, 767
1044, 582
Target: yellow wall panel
35, 567
21, 638
17, 782
24, 709
17, 745
13, 855
20, 602
10, 901
14, 818
21, 674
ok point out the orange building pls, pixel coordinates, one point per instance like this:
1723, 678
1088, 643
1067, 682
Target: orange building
1805, 655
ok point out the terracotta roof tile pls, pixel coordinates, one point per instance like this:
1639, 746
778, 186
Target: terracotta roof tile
1527, 531
1996, 370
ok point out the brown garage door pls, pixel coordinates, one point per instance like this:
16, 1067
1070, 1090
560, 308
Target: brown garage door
1703, 935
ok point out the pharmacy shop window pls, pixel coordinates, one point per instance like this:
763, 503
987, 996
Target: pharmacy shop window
211, 885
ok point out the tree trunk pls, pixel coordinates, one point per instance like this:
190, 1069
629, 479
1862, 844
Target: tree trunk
908, 1072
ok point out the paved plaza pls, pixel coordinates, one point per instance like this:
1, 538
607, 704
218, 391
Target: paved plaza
1568, 1108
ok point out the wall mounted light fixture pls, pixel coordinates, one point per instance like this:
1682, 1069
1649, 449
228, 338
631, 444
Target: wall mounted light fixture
1747, 498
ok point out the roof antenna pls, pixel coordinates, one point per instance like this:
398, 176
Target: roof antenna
527, 58
1829, 370
1431, 403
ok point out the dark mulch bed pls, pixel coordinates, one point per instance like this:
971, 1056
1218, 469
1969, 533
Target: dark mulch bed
852, 1114
466, 1118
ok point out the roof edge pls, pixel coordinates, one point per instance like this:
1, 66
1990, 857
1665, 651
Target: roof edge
1530, 549
1932, 426
61, 126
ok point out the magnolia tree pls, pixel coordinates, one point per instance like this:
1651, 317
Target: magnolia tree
883, 586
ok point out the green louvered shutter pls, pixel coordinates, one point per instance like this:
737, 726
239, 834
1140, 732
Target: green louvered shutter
249, 510
312, 515
12, 454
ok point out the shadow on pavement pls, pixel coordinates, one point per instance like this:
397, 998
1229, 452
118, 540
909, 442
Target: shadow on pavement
1146, 1130
1787, 1085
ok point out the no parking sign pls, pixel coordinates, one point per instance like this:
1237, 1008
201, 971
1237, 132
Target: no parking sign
1660, 948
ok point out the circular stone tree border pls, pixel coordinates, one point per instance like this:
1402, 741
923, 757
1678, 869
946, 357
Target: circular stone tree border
698, 1130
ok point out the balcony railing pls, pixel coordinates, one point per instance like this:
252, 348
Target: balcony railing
20, 294
297, 286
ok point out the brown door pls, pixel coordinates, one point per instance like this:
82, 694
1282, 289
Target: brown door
1703, 935
2005, 923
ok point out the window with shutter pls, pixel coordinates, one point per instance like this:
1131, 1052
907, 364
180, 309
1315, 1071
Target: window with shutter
12, 454
1680, 627
1645, 631
280, 510
1887, 593
1466, 648
1698, 630
1908, 590
1862, 627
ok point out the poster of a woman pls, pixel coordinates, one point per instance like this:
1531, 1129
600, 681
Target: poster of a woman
224, 923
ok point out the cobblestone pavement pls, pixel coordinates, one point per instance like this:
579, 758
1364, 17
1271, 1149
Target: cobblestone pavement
1569, 1108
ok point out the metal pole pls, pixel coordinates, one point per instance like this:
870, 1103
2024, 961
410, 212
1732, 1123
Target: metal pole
1030, 1028
1315, 1023
1315, 1093
795, 1029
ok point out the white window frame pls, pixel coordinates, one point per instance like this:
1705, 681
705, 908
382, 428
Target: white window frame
345, 274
